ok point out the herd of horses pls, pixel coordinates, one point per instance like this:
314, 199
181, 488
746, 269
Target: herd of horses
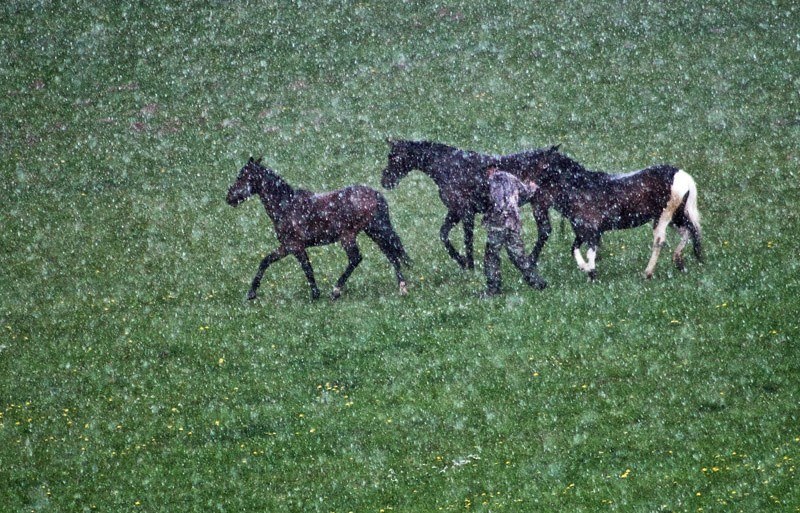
593, 202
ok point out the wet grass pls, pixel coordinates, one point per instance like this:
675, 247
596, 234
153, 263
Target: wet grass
134, 376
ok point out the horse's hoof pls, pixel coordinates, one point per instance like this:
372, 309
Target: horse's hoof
593, 275
679, 264
251, 295
336, 293
403, 288
315, 294
648, 275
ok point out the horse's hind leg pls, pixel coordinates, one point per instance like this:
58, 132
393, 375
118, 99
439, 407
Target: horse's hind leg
305, 263
677, 256
660, 232
382, 233
266, 262
444, 235
354, 258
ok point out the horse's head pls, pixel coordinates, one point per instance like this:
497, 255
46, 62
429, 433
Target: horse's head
537, 163
400, 163
243, 187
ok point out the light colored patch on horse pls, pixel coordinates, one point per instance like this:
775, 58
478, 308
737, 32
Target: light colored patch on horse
583, 265
682, 183
591, 254
403, 288
620, 176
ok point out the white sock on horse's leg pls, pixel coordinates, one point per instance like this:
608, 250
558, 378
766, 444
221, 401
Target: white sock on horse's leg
582, 265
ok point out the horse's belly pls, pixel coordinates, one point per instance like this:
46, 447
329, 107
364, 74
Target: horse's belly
625, 220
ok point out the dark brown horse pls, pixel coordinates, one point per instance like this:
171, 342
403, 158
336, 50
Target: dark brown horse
303, 219
461, 178
595, 202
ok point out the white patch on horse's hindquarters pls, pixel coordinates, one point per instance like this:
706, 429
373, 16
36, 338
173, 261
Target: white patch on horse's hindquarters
682, 183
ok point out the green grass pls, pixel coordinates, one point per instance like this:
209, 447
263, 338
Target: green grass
134, 376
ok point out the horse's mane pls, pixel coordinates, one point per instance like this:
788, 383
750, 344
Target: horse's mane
432, 148
279, 184
573, 173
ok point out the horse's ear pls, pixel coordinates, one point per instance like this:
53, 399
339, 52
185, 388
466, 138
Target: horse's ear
251, 160
554, 148
259, 160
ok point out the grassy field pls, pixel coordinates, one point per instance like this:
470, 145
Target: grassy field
134, 376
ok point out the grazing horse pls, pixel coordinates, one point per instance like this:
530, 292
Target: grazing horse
595, 202
461, 178
303, 219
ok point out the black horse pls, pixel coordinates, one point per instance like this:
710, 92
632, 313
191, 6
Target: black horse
303, 219
595, 202
462, 181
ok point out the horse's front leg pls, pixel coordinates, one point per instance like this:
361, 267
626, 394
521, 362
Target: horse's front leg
305, 263
450, 221
353, 259
589, 266
266, 262
544, 228
469, 231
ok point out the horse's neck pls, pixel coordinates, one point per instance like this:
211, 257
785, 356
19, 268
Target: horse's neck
424, 158
570, 173
276, 197
437, 162
569, 181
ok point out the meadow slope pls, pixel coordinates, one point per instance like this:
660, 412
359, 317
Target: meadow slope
134, 375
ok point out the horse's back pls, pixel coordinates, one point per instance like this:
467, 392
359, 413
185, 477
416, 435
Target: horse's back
628, 200
348, 209
350, 195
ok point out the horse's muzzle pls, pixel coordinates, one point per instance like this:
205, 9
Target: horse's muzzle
388, 183
233, 200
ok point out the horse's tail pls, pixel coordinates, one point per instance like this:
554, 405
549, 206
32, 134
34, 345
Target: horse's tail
691, 213
383, 233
